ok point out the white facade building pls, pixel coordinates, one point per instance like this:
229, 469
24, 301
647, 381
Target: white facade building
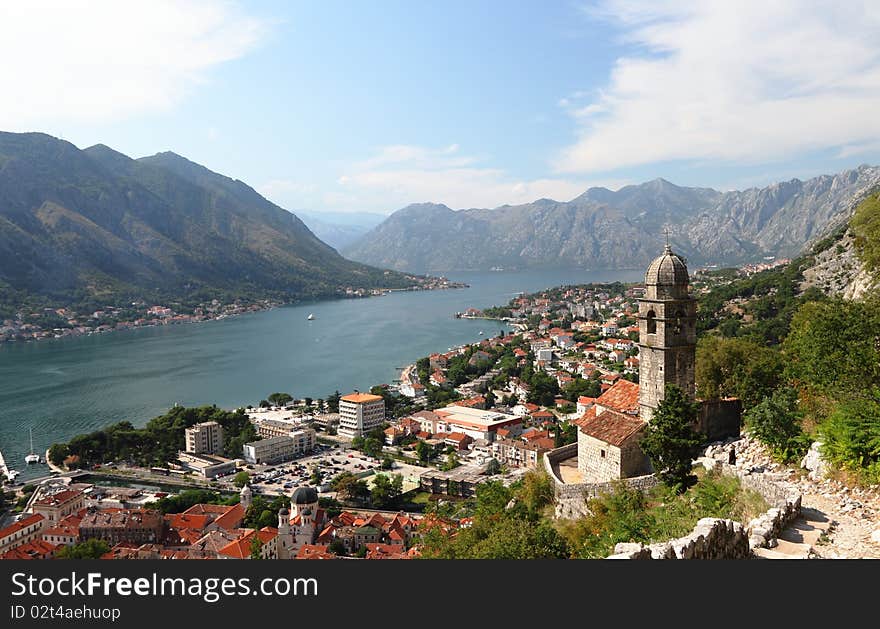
205, 438
359, 413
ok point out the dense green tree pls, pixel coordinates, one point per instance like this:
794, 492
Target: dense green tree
386, 491
670, 440
256, 547
89, 549
280, 399
581, 387
241, 479
348, 487
178, 503
851, 436
58, 452
425, 452
835, 346
736, 368
775, 421
333, 402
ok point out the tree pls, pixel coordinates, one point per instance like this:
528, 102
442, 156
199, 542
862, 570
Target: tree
348, 487
58, 452
387, 463
425, 452
92, 548
333, 402
372, 447
835, 346
386, 490
317, 476
492, 467
670, 440
280, 399
256, 546
337, 548
851, 436
728, 367
581, 387
490, 399
451, 462
776, 423
264, 404
241, 479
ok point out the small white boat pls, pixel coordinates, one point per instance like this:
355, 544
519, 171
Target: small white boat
12, 475
481, 333
32, 457
310, 317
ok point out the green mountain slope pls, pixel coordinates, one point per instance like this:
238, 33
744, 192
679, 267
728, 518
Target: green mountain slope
84, 224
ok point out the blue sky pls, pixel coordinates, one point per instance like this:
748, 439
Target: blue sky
369, 106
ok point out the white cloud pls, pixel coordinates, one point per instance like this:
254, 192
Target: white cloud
745, 82
74, 60
403, 174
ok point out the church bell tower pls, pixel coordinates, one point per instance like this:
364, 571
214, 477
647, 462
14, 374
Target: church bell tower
667, 332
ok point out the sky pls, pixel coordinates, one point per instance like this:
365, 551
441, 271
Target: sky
364, 106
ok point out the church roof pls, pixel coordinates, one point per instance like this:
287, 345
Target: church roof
667, 270
304, 496
622, 397
612, 428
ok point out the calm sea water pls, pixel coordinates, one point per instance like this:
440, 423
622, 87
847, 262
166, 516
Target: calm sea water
64, 387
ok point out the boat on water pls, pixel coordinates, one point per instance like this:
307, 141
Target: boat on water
481, 333
311, 317
12, 475
32, 457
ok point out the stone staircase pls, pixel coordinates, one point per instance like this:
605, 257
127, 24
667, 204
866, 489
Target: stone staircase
797, 541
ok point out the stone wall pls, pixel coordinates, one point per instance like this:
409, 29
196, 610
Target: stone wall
720, 419
597, 461
571, 499
714, 538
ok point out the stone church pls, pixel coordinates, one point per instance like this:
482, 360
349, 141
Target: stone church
610, 431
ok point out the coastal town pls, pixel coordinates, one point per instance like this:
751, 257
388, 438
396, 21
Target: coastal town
331, 469
59, 322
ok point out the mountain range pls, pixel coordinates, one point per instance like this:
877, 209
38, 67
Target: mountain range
623, 229
94, 223
340, 229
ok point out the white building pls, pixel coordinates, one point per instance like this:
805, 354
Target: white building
205, 438
359, 413
280, 448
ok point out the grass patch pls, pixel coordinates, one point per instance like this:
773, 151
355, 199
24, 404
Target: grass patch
628, 515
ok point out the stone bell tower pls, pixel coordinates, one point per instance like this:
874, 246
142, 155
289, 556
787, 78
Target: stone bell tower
667, 332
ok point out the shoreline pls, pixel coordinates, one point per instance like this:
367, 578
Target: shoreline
250, 309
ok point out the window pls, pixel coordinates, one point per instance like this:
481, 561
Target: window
652, 322
679, 316
602, 454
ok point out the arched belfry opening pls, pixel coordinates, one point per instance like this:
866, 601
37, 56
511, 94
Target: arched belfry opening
651, 319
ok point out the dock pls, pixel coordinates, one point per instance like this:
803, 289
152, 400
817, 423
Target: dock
4, 471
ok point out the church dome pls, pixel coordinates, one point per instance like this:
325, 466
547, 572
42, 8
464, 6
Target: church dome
667, 276
283, 511
304, 496
246, 491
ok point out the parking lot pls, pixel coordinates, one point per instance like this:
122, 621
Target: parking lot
332, 460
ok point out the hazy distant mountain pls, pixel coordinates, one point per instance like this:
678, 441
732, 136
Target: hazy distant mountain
604, 229
339, 229
76, 224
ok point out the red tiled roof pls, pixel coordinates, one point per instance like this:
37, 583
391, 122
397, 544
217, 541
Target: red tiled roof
187, 520
241, 548
622, 397
57, 499
613, 428
21, 525
232, 518
385, 551
36, 549
314, 551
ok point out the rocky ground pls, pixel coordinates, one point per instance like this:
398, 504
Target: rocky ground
854, 512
